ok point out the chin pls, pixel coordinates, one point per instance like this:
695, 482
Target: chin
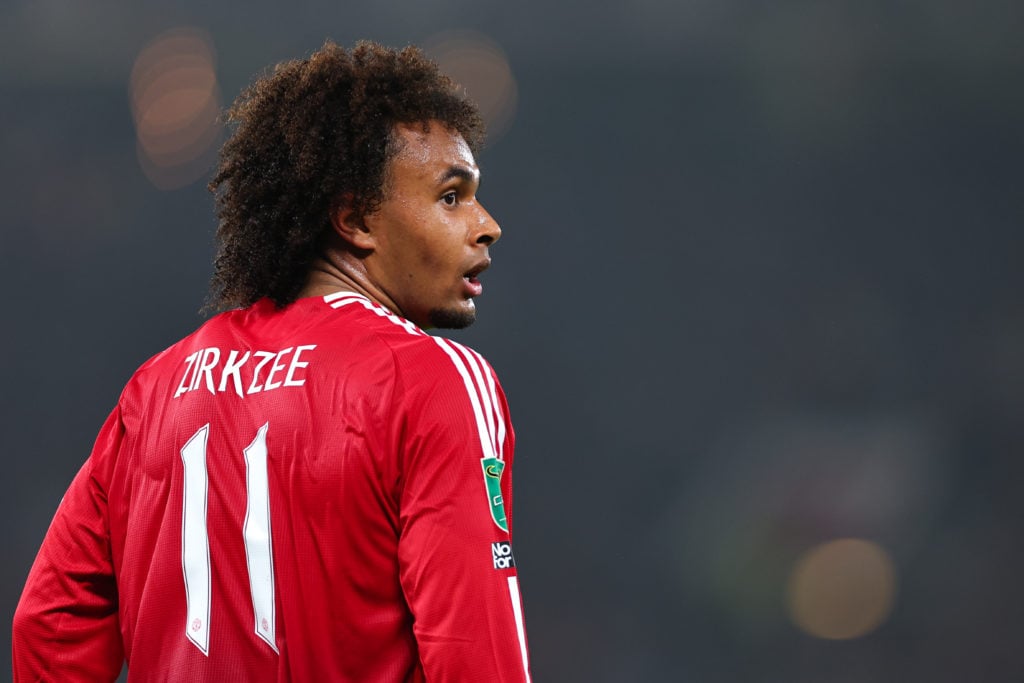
452, 318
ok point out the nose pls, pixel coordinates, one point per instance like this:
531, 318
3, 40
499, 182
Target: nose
488, 231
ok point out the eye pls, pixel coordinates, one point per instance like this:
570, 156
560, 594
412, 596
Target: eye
450, 198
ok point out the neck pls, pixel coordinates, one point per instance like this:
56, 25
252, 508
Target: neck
339, 270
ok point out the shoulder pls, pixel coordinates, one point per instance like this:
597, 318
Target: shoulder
418, 356
436, 378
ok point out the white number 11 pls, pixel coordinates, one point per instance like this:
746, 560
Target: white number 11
195, 542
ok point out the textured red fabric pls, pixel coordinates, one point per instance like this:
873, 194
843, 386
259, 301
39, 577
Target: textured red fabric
381, 523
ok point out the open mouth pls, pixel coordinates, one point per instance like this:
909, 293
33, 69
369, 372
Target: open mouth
471, 274
473, 286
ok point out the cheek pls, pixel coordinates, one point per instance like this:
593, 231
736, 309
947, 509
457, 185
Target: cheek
420, 261
436, 245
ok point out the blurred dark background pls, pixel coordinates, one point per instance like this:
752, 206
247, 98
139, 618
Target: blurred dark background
757, 307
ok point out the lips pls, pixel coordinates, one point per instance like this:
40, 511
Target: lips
473, 286
477, 269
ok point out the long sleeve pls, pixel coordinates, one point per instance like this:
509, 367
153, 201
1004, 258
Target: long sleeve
66, 624
455, 553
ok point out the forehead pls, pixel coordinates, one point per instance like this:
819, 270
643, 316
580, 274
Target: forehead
428, 150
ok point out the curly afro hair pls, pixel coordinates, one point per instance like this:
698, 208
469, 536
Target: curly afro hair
313, 133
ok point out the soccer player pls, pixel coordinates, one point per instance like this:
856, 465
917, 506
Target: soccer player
309, 487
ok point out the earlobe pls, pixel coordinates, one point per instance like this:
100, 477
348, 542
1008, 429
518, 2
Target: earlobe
351, 227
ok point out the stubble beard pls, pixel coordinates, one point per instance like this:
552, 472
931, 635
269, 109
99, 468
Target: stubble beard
451, 319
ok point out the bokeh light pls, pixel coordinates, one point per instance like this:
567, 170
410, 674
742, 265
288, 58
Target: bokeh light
842, 589
176, 103
480, 66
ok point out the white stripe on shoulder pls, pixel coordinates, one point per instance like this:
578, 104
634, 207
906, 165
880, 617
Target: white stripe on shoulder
489, 374
481, 423
340, 299
331, 298
476, 377
475, 362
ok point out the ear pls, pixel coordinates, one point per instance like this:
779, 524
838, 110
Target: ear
351, 227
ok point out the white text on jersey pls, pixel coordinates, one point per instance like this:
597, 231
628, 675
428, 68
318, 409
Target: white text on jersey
262, 370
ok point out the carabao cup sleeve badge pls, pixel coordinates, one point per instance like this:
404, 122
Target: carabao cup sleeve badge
492, 480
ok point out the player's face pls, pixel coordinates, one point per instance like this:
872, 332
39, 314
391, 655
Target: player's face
431, 235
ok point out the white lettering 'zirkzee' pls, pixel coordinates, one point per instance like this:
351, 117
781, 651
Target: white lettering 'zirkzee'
244, 372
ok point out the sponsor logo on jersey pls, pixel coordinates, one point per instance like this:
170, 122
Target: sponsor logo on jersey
501, 553
492, 480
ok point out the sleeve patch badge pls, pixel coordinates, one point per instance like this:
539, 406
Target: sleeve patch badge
501, 553
492, 480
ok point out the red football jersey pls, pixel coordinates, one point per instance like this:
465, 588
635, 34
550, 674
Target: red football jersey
319, 493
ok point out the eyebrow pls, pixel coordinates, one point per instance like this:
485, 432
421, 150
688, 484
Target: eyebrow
460, 172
